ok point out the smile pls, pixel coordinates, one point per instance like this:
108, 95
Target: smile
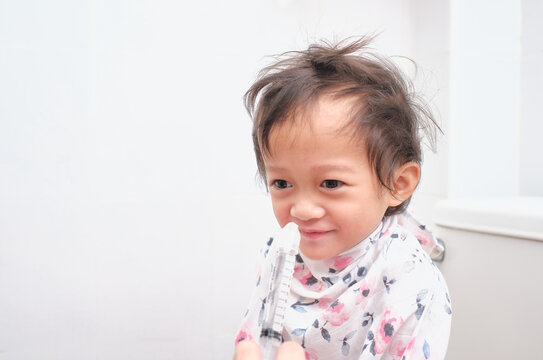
313, 234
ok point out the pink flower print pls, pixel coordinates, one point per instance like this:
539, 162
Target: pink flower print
324, 302
411, 343
342, 262
335, 314
243, 335
311, 354
365, 292
424, 237
388, 326
408, 348
397, 348
305, 277
299, 272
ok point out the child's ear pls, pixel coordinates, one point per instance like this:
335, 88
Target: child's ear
406, 179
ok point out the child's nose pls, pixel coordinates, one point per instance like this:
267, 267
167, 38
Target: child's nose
305, 209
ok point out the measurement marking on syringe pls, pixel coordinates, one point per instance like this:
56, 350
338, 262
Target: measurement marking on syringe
276, 304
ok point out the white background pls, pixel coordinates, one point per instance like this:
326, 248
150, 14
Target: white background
130, 211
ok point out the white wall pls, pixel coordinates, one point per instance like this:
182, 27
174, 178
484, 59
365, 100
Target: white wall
495, 88
430, 47
483, 74
531, 126
485, 97
129, 210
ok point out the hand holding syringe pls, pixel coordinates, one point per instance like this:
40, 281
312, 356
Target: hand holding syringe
248, 350
284, 250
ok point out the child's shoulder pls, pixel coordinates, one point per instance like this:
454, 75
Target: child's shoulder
406, 234
405, 254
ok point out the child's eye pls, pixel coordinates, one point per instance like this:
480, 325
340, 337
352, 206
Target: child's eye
281, 184
332, 184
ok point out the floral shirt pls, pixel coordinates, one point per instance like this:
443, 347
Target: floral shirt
382, 299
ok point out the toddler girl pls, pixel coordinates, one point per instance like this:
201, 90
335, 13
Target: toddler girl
337, 140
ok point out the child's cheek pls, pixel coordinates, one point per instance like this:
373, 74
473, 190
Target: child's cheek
281, 211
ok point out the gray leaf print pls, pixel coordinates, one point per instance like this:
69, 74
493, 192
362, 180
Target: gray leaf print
422, 294
420, 311
426, 350
349, 335
345, 349
372, 348
325, 334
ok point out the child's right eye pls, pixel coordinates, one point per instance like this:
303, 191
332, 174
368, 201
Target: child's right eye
281, 184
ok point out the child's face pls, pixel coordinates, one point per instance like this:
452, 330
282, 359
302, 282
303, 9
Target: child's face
322, 181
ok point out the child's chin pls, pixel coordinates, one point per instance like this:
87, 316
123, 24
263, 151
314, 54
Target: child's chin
316, 254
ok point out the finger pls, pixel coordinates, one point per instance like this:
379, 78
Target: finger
247, 350
290, 351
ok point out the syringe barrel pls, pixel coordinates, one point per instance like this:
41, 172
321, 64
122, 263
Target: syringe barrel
284, 255
269, 347
279, 292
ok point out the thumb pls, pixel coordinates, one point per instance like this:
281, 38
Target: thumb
247, 350
290, 351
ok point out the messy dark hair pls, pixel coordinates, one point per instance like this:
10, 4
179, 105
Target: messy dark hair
387, 115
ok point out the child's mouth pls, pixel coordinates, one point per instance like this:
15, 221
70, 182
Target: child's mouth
313, 234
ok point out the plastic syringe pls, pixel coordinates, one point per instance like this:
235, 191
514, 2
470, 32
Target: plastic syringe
284, 249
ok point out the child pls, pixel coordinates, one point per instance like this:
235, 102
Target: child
336, 136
